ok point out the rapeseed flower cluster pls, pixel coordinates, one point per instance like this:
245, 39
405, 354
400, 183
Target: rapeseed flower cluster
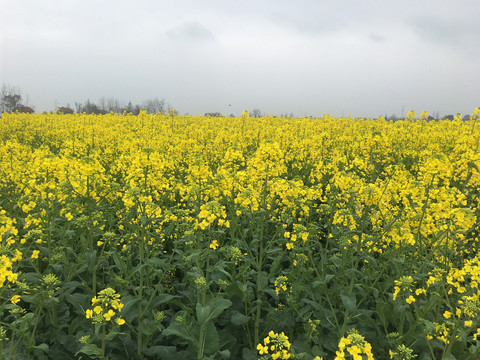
210, 212
353, 346
6, 273
404, 286
281, 284
105, 306
402, 352
275, 346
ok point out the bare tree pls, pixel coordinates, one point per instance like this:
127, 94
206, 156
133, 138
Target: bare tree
393, 117
10, 98
102, 104
91, 108
256, 113
78, 107
154, 106
129, 107
114, 105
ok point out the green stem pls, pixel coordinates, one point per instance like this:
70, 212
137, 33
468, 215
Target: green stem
94, 281
37, 316
13, 344
259, 280
141, 254
103, 340
402, 322
140, 294
204, 292
201, 342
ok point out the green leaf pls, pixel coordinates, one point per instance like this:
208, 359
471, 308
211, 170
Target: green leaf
350, 302
212, 340
90, 350
236, 288
119, 262
70, 285
449, 357
225, 354
176, 329
216, 274
67, 341
77, 300
112, 334
327, 278
129, 310
270, 292
248, 354
147, 327
212, 310
239, 319
44, 347
31, 277
194, 254
156, 262
163, 298
97, 327
91, 260
161, 352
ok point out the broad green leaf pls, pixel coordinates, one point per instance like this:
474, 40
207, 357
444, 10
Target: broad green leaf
249, 354
349, 301
44, 347
161, 352
212, 310
90, 350
119, 262
239, 318
147, 327
176, 329
225, 354
212, 340
162, 298
449, 357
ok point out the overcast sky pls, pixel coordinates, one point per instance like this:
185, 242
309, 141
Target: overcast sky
337, 57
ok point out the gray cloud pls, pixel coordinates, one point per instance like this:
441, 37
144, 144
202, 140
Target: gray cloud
455, 32
377, 38
303, 24
194, 31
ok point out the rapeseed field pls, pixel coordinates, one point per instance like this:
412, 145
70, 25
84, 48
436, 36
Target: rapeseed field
193, 237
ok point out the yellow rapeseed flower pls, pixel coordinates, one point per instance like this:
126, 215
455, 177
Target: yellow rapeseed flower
108, 315
89, 313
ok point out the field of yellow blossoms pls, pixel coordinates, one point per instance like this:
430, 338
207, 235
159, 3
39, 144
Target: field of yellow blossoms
190, 237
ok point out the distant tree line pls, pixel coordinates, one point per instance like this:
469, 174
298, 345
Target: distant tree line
436, 116
107, 105
11, 100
